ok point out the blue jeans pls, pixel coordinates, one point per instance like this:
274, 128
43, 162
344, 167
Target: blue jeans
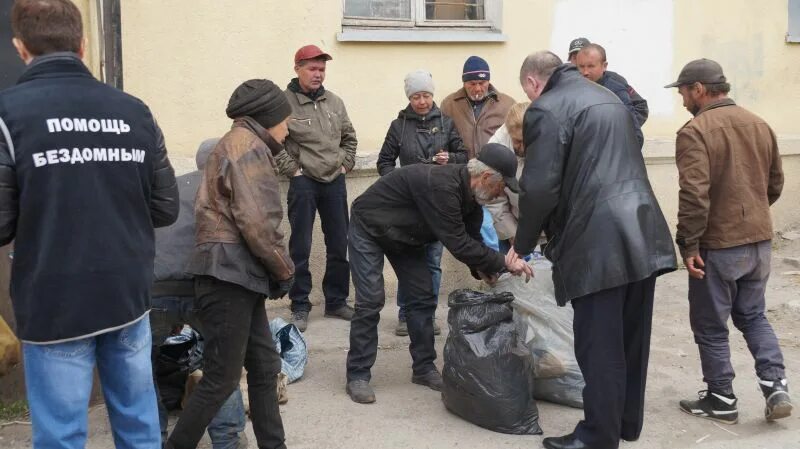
433, 253
59, 383
228, 424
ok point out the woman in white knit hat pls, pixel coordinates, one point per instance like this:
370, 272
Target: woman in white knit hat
421, 134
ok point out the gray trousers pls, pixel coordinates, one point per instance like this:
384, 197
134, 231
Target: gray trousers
734, 286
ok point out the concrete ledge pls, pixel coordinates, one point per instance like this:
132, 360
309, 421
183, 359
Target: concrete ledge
656, 152
417, 35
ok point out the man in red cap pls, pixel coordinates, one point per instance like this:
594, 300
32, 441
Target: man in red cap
320, 149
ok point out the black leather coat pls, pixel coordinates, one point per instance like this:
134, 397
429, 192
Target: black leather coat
586, 186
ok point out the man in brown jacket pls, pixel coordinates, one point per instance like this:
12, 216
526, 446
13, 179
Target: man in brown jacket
239, 259
320, 149
729, 173
477, 109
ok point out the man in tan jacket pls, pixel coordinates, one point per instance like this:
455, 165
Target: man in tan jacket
477, 109
320, 149
729, 173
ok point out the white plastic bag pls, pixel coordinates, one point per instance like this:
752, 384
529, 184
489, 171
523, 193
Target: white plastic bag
548, 335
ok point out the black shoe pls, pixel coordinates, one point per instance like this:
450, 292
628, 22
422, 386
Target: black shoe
714, 406
300, 320
776, 393
360, 391
564, 442
345, 312
432, 379
402, 328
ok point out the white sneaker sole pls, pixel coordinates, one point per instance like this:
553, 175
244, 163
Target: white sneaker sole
781, 410
712, 418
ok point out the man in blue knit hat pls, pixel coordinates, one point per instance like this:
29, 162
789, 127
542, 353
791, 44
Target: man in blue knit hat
477, 109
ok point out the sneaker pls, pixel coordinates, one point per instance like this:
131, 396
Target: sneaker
776, 393
432, 379
345, 312
360, 391
401, 330
300, 320
714, 406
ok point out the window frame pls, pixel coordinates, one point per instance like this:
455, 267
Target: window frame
419, 28
793, 22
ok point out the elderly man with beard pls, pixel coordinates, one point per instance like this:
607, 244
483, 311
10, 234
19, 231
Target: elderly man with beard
397, 217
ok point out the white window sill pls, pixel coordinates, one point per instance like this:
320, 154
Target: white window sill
418, 35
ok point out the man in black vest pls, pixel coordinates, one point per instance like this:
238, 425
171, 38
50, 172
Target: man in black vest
84, 179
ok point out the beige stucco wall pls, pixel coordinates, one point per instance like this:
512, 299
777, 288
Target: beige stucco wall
185, 57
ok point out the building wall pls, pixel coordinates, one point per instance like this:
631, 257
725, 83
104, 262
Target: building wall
185, 58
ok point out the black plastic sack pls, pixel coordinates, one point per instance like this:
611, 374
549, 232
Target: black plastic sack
487, 380
178, 357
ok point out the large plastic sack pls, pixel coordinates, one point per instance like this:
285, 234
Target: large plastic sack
487, 378
179, 356
547, 332
291, 345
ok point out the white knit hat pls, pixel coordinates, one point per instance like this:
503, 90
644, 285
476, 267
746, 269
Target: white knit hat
418, 81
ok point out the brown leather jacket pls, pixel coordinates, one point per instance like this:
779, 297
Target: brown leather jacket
238, 212
476, 133
729, 173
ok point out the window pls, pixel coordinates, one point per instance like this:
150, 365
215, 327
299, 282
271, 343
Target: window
422, 20
794, 21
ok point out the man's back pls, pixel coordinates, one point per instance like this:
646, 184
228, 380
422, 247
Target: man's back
85, 158
732, 155
586, 184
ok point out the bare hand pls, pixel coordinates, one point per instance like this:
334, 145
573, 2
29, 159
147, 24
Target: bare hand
298, 173
694, 265
512, 256
441, 158
519, 268
491, 280
344, 170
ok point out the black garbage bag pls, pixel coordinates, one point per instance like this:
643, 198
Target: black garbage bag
487, 380
178, 357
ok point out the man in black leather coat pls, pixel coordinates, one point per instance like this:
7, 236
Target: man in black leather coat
586, 186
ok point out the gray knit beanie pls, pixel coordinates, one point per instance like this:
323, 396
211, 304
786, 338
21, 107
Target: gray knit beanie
419, 81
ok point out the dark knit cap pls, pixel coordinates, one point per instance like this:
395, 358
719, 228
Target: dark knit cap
261, 100
475, 68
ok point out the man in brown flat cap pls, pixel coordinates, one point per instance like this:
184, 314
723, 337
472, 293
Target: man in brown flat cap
729, 173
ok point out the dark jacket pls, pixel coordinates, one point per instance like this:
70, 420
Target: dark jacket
619, 86
238, 212
585, 184
641, 110
414, 139
423, 203
730, 173
175, 243
84, 178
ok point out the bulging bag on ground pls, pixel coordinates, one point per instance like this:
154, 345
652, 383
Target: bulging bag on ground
547, 332
487, 379
291, 345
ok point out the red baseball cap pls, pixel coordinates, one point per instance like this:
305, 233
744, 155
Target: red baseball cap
310, 52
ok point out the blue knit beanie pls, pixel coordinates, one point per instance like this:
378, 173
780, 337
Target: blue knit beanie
476, 68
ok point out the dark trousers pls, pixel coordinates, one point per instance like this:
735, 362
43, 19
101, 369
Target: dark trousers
612, 345
433, 255
167, 313
734, 286
307, 196
414, 277
237, 333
